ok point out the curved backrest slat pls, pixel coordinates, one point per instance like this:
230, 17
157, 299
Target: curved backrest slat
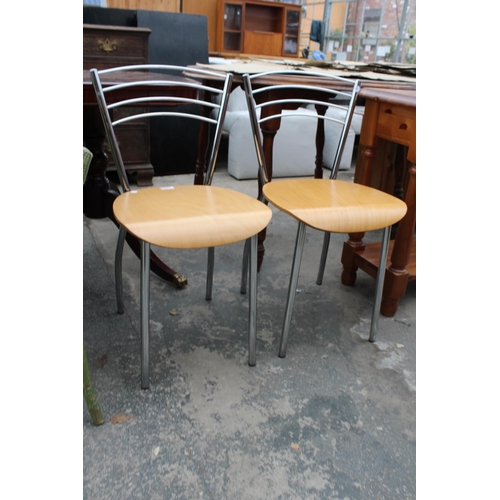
139, 92
270, 94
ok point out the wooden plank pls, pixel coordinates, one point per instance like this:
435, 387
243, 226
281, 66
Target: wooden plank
161, 5
205, 8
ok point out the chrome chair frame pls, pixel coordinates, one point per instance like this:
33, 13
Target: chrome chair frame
327, 84
218, 105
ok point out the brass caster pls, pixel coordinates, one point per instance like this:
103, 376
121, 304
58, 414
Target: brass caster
180, 281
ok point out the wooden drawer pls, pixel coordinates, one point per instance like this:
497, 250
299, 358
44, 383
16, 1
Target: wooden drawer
263, 42
396, 123
109, 46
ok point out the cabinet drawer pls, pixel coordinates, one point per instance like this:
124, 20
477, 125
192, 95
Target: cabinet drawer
263, 42
109, 46
396, 123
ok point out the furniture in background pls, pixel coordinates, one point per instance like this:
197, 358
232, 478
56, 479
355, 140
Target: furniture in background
327, 205
390, 115
259, 28
367, 80
294, 148
207, 8
189, 216
105, 47
176, 39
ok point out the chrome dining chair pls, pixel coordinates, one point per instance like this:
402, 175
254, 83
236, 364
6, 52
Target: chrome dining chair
328, 205
181, 217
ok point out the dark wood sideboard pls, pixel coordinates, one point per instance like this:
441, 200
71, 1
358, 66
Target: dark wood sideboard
177, 39
107, 47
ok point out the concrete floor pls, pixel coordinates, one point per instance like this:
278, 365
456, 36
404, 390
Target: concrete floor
335, 419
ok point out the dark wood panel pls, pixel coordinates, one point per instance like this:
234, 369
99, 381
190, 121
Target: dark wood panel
110, 46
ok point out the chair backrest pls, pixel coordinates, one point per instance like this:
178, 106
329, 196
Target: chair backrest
269, 94
129, 93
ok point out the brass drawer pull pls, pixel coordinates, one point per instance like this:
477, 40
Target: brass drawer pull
106, 45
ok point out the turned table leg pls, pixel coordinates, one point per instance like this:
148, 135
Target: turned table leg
96, 202
201, 159
268, 135
320, 142
397, 275
354, 243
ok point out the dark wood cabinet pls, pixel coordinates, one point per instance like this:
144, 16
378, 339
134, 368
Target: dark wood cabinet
111, 46
258, 27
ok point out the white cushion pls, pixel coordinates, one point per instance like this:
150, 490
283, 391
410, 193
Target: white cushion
357, 119
294, 148
237, 100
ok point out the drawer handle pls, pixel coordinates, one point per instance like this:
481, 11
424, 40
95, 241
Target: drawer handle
403, 126
106, 45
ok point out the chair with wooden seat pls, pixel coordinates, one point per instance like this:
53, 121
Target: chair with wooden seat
180, 217
328, 205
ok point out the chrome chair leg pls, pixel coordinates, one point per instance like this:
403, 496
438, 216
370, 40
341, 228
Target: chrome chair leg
122, 233
252, 301
244, 267
292, 289
322, 262
145, 265
210, 273
384, 249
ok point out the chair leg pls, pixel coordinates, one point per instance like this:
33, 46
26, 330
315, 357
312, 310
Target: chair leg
292, 289
244, 268
384, 249
322, 262
210, 273
122, 233
252, 301
145, 265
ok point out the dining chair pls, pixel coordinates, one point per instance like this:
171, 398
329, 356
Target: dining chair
176, 217
328, 205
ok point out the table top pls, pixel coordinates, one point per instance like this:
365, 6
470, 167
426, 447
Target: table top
367, 79
391, 96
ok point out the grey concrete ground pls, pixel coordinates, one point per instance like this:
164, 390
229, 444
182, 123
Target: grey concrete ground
335, 419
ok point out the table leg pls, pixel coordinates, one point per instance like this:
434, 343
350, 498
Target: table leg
354, 243
268, 135
97, 186
356, 255
320, 142
201, 166
397, 275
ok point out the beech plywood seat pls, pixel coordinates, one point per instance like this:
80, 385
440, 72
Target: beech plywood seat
197, 216
190, 216
327, 205
336, 207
